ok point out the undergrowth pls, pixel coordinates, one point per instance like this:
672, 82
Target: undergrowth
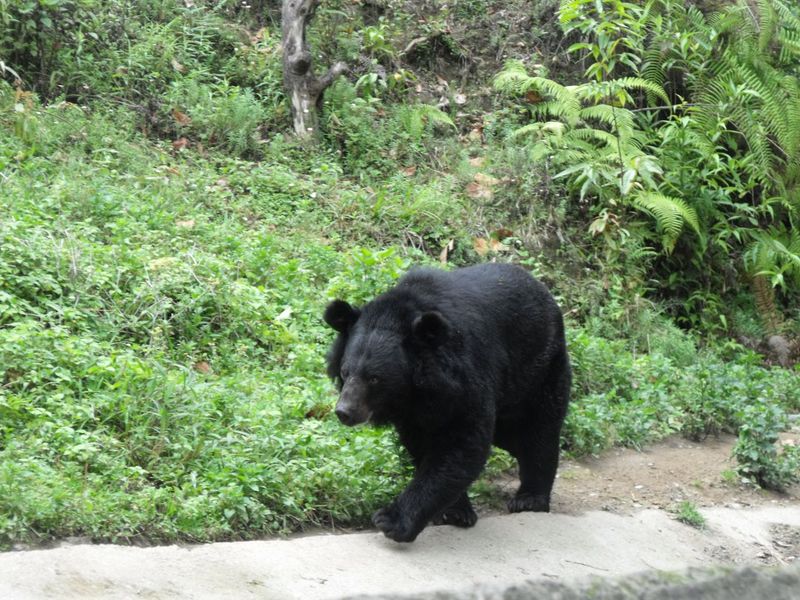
166, 254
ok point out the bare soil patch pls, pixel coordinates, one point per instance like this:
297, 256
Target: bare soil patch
625, 480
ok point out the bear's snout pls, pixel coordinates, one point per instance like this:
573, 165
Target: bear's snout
351, 407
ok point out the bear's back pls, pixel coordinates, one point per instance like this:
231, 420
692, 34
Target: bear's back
492, 294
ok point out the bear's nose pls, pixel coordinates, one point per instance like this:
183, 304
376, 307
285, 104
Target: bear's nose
345, 417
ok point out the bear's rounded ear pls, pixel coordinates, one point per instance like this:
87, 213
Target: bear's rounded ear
340, 315
431, 328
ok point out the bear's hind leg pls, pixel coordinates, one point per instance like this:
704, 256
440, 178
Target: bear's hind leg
537, 456
535, 441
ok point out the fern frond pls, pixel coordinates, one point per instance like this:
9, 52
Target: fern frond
670, 213
767, 23
541, 129
514, 79
434, 115
415, 117
790, 45
789, 18
653, 69
618, 119
509, 78
569, 112
614, 88
774, 253
637, 83
591, 134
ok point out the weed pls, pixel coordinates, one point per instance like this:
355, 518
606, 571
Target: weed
687, 512
756, 451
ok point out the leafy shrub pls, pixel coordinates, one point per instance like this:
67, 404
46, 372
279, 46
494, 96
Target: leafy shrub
221, 116
619, 398
756, 452
718, 159
589, 427
372, 138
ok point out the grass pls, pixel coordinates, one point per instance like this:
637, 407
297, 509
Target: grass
687, 512
161, 346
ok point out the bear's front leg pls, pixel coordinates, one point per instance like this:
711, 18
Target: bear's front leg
395, 523
441, 479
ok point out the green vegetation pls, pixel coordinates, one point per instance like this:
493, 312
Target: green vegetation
166, 250
687, 512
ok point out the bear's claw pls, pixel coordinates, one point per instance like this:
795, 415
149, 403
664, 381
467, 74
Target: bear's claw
457, 516
529, 502
393, 525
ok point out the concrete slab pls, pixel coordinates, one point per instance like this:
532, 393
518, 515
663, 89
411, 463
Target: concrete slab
499, 550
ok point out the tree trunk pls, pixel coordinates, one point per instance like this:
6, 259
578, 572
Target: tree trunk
303, 88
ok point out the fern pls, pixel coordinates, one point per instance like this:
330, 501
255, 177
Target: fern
548, 128
618, 89
764, 296
670, 214
415, 117
620, 120
745, 89
514, 80
774, 253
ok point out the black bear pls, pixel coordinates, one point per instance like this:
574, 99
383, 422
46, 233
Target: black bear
456, 361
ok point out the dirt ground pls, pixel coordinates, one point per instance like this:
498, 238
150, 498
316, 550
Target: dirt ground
624, 480
661, 476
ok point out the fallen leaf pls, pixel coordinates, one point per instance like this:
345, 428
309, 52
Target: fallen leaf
318, 411
497, 246
203, 367
177, 66
460, 99
478, 191
477, 161
181, 118
187, 224
475, 135
180, 144
409, 171
485, 179
258, 36
502, 233
481, 246
533, 97
162, 263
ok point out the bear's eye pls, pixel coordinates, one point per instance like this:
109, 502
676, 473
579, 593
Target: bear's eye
373, 380
345, 373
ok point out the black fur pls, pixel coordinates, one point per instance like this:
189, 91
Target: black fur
456, 361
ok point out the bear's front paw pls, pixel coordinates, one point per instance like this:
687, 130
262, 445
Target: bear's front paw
458, 516
529, 502
395, 525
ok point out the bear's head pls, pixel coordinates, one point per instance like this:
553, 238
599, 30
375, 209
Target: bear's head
374, 358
